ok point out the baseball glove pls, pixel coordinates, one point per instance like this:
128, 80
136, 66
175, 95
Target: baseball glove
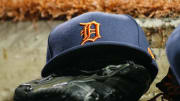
169, 87
125, 82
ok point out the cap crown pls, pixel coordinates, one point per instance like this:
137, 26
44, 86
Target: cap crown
112, 28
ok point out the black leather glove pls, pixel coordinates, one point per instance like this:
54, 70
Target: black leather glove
125, 82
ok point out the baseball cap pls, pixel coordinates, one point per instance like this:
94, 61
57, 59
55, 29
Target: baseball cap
173, 52
93, 39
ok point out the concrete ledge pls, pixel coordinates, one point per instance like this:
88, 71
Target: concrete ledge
158, 30
149, 23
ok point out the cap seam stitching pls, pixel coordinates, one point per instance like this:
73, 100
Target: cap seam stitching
137, 28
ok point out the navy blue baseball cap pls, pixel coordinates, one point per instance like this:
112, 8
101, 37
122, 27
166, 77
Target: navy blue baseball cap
93, 39
173, 52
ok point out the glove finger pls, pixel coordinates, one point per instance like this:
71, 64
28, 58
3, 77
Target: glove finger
80, 91
83, 90
46, 89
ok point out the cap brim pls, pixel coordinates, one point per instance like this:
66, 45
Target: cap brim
84, 57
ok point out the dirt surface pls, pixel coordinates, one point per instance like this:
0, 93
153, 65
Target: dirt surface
23, 53
20, 10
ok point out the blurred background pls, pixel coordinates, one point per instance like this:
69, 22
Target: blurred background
26, 24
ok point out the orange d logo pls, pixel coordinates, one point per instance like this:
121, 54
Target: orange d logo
87, 31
